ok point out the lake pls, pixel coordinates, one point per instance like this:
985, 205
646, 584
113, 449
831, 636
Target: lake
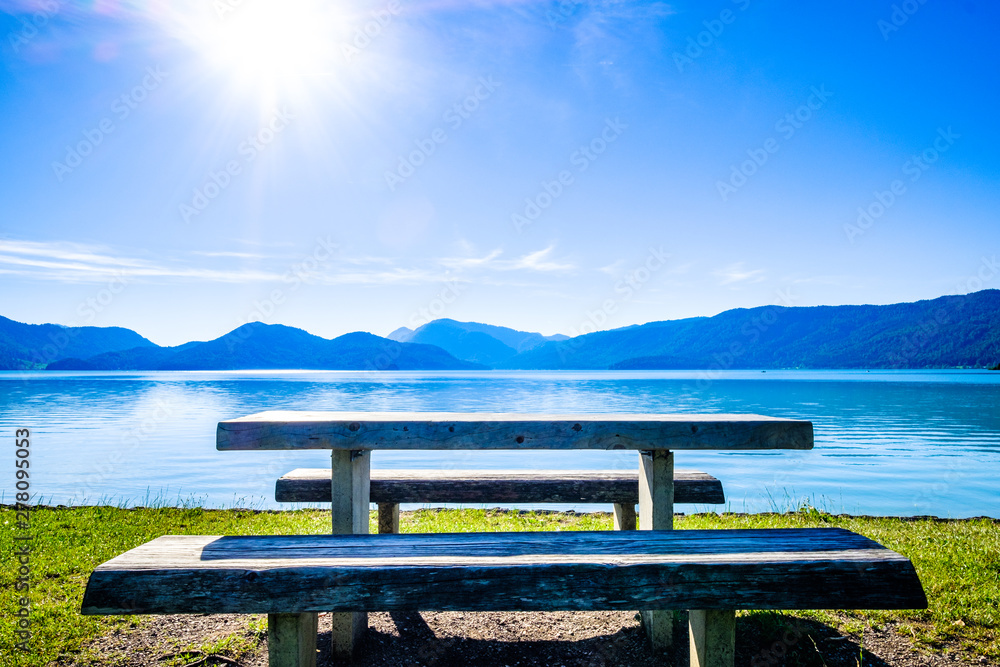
887, 442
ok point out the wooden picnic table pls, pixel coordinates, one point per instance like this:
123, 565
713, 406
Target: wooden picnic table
352, 436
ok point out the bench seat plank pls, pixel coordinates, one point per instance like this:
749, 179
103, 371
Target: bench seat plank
507, 486
287, 429
535, 571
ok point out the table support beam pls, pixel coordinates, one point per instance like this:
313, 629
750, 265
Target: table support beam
713, 637
625, 516
656, 490
656, 512
388, 518
291, 639
350, 492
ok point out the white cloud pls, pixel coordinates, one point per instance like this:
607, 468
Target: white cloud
229, 253
459, 263
533, 261
80, 263
614, 269
76, 253
538, 261
738, 274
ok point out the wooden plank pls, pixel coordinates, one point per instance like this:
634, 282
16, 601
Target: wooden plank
536, 571
500, 486
712, 636
291, 640
443, 430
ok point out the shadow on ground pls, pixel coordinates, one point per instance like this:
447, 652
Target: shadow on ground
549, 639
509, 639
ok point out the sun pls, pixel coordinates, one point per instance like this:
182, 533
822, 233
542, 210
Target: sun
268, 45
245, 60
268, 39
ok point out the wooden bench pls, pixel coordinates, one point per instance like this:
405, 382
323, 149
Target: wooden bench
389, 488
710, 572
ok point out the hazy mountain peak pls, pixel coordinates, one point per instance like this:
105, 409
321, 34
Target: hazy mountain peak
481, 343
401, 335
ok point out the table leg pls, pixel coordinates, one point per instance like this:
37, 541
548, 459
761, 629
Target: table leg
712, 637
291, 640
350, 493
656, 512
388, 518
624, 516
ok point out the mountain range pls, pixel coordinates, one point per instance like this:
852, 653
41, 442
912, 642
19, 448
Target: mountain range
948, 332
482, 343
272, 346
34, 346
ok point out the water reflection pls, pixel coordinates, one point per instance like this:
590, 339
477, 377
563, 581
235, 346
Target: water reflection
910, 442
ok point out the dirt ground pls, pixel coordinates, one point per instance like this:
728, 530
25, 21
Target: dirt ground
520, 639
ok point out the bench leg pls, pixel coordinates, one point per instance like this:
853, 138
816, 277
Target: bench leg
713, 637
656, 512
388, 518
291, 639
624, 516
350, 493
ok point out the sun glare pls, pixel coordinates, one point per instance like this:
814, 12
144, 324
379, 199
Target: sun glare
250, 57
263, 39
268, 45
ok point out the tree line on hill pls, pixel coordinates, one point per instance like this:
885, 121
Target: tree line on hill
948, 332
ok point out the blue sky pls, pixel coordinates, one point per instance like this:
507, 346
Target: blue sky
183, 168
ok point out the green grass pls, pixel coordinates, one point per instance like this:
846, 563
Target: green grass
958, 563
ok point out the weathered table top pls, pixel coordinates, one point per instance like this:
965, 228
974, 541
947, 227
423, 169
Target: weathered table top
447, 430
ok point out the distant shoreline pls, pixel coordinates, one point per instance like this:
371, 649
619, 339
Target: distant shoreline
521, 512
949, 332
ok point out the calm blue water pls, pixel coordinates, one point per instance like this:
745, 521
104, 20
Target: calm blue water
887, 442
